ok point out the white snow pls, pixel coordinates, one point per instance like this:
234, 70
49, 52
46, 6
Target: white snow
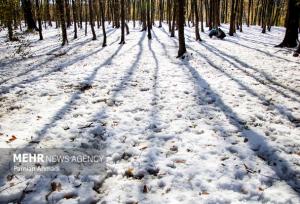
221, 125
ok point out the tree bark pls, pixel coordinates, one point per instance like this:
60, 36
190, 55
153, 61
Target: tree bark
68, 16
291, 34
61, 11
122, 22
92, 19
201, 15
48, 15
39, 18
198, 38
232, 19
148, 20
27, 9
160, 13
181, 20
102, 9
74, 5
174, 19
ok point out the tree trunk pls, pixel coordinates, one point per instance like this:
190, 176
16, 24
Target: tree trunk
174, 20
160, 13
74, 5
86, 17
68, 16
61, 11
169, 9
39, 18
148, 20
249, 10
198, 38
92, 19
232, 19
122, 22
48, 15
102, 9
181, 20
27, 9
9, 21
201, 15
133, 13
241, 15
291, 34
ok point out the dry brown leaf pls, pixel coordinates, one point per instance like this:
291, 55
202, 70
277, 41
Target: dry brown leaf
55, 186
11, 139
70, 195
244, 191
9, 177
260, 188
129, 172
180, 161
145, 189
143, 146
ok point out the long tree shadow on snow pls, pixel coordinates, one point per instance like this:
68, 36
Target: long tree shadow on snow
285, 171
89, 80
258, 50
56, 68
221, 54
264, 101
101, 114
150, 166
264, 150
66, 108
119, 88
67, 48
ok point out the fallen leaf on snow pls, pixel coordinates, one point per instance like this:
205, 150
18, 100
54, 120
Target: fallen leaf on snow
70, 195
204, 193
180, 161
129, 172
260, 188
143, 146
145, 189
11, 139
55, 186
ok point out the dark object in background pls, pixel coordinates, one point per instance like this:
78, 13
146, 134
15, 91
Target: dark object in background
218, 33
221, 34
213, 32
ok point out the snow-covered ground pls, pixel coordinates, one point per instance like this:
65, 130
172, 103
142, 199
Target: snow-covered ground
221, 125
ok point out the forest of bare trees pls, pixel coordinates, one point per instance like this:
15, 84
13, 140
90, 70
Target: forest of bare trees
149, 101
39, 14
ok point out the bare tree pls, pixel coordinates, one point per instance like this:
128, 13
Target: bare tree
102, 10
292, 25
122, 22
61, 10
181, 20
38, 12
198, 38
91, 10
27, 10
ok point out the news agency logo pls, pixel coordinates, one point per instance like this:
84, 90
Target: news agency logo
28, 158
41, 158
52, 161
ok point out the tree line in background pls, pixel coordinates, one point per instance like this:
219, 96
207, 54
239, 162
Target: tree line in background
39, 14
